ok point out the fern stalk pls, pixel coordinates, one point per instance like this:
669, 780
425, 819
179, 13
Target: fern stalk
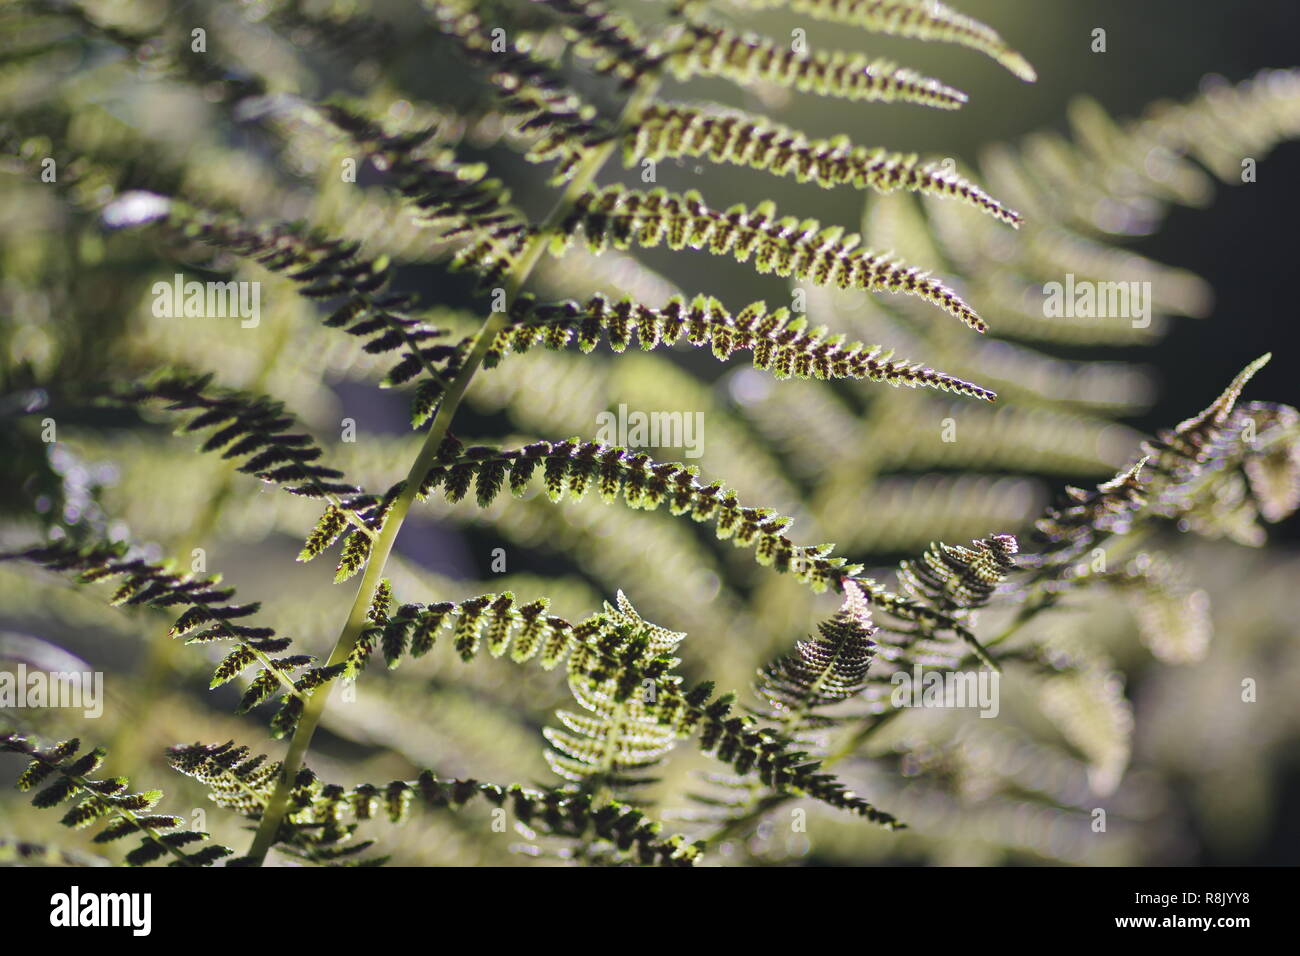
382, 546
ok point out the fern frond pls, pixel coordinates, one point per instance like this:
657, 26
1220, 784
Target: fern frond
620, 655
532, 91
574, 466
780, 342
786, 246
109, 801
317, 823
747, 748
451, 196
253, 428
915, 19
956, 579
746, 58
323, 269
1179, 453
614, 41
612, 744
1068, 531
825, 671
670, 131
208, 612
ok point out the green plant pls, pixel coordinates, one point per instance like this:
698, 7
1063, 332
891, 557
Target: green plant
821, 705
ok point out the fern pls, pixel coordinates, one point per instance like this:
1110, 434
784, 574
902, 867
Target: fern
915, 19
619, 709
786, 246
822, 672
780, 342
107, 801
671, 132
746, 58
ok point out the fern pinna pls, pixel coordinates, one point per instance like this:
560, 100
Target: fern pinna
571, 86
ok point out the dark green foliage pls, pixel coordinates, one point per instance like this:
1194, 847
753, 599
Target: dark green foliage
780, 342
324, 817
524, 85
208, 616
575, 466
786, 246
106, 801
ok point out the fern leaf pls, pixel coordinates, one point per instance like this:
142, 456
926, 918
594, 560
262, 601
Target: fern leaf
532, 91
746, 58
318, 828
323, 268
670, 131
915, 19
103, 800
825, 671
956, 579
208, 616
780, 342
785, 246
644, 484
609, 38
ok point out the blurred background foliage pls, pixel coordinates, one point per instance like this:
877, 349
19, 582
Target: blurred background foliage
1197, 778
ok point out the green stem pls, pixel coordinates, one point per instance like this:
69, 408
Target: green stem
382, 546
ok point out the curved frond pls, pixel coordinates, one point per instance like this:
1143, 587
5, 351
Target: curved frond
780, 341
208, 617
669, 131
575, 466
786, 246
746, 58
823, 671
915, 19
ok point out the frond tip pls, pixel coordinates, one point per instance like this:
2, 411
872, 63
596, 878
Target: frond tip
823, 671
956, 579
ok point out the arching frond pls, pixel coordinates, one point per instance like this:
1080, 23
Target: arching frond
916, 19
786, 246
575, 466
823, 671
612, 40
746, 58
324, 269
532, 90
669, 131
956, 579
780, 341
208, 617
